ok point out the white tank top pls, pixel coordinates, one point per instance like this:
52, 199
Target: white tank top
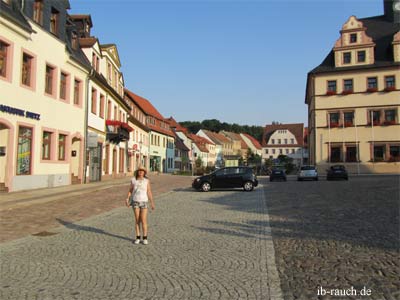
140, 190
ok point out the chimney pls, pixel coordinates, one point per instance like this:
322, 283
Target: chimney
392, 10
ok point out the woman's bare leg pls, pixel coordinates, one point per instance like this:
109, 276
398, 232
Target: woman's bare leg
143, 218
137, 221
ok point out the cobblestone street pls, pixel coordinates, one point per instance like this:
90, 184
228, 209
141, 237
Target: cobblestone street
335, 235
217, 245
202, 246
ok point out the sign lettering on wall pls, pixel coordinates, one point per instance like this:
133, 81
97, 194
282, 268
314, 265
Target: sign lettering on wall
19, 112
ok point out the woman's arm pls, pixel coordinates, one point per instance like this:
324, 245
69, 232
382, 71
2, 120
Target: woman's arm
150, 196
129, 194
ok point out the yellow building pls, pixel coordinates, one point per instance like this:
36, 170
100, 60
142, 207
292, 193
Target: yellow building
42, 108
353, 98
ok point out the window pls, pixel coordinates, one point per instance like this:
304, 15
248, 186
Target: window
292, 141
61, 146
347, 58
351, 154
273, 151
24, 155
331, 86
372, 83
379, 153
102, 103
348, 85
115, 112
3, 59
390, 116
353, 38
390, 82
279, 141
38, 11
376, 116
293, 151
287, 151
77, 90
49, 79
109, 110
336, 154
63, 86
361, 56
266, 151
280, 151
54, 21
334, 119
94, 101
348, 118
394, 152
272, 141
46, 145
27, 61
74, 40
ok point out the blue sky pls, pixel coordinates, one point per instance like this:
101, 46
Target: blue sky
243, 62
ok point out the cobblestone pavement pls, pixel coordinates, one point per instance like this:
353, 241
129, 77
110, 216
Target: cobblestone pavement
335, 235
31, 212
214, 245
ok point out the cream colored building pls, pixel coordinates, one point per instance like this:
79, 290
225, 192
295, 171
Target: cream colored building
353, 98
42, 106
107, 111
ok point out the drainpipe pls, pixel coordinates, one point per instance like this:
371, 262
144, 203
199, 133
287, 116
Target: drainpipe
90, 75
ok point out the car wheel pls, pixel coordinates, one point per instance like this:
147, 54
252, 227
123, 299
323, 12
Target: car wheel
248, 186
205, 187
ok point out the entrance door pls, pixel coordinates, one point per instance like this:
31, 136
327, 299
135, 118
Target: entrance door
95, 163
4, 155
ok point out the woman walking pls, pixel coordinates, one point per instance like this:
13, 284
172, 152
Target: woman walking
139, 196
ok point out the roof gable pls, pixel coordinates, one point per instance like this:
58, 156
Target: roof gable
112, 51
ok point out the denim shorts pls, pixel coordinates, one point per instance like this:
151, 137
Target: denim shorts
137, 204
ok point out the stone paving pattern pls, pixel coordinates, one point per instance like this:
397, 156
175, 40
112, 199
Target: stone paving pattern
201, 246
25, 213
337, 234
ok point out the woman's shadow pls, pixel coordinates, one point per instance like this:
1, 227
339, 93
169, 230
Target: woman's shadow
77, 227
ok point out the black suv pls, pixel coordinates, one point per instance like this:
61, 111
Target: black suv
229, 177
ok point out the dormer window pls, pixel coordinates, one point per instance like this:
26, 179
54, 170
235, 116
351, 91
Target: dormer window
353, 38
38, 11
74, 40
361, 56
347, 58
54, 21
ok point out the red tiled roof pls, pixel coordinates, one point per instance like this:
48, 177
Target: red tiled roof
216, 137
297, 129
253, 141
145, 105
149, 110
200, 142
176, 125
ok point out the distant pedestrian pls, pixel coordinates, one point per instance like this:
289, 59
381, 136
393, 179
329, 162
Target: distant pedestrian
139, 196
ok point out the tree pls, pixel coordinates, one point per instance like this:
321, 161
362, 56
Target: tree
287, 162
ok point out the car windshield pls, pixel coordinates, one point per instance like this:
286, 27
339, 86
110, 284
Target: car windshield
307, 168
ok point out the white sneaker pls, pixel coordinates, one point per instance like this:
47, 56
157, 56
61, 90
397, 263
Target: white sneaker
137, 242
145, 242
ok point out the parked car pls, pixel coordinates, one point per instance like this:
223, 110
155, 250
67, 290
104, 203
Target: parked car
228, 177
277, 174
337, 172
307, 172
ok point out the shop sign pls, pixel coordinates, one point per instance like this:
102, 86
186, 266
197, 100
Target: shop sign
19, 112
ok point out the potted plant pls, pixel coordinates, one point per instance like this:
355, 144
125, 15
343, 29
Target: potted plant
330, 93
392, 122
372, 90
389, 89
347, 92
